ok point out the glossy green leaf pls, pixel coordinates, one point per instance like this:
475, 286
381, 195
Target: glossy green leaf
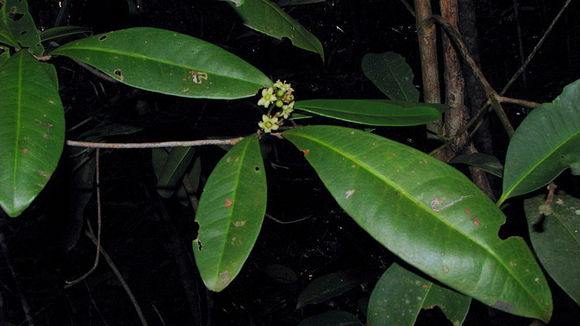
230, 214
266, 17
399, 296
373, 112
485, 162
167, 62
332, 318
545, 143
62, 31
556, 239
427, 213
31, 130
17, 27
329, 286
391, 74
171, 168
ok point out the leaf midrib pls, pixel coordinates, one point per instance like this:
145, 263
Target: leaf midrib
534, 167
146, 58
18, 124
412, 199
234, 205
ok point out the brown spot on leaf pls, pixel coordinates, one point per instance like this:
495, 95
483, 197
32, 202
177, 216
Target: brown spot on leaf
467, 211
424, 286
502, 305
239, 223
305, 151
228, 203
224, 277
43, 174
476, 221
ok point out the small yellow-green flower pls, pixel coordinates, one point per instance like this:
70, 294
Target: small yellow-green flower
285, 87
267, 97
287, 110
268, 123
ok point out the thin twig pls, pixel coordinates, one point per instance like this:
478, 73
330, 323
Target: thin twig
490, 92
287, 222
408, 7
536, 48
484, 108
525, 103
158, 314
89, 233
99, 224
202, 142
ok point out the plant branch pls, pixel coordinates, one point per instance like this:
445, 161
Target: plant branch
99, 224
490, 92
526, 103
190, 143
536, 48
89, 233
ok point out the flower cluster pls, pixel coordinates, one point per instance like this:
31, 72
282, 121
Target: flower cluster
279, 100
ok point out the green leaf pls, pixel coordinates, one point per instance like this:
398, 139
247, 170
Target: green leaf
167, 62
62, 31
391, 74
329, 286
427, 213
546, 143
171, 168
17, 27
399, 296
556, 239
31, 130
266, 17
485, 162
373, 112
230, 214
332, 318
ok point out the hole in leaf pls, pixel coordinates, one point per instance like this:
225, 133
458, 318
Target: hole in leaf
256, 168
199, 244
23, 33
103, 37
119, 73
15, 16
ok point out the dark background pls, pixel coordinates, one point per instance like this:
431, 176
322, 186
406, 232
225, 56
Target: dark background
149, 239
